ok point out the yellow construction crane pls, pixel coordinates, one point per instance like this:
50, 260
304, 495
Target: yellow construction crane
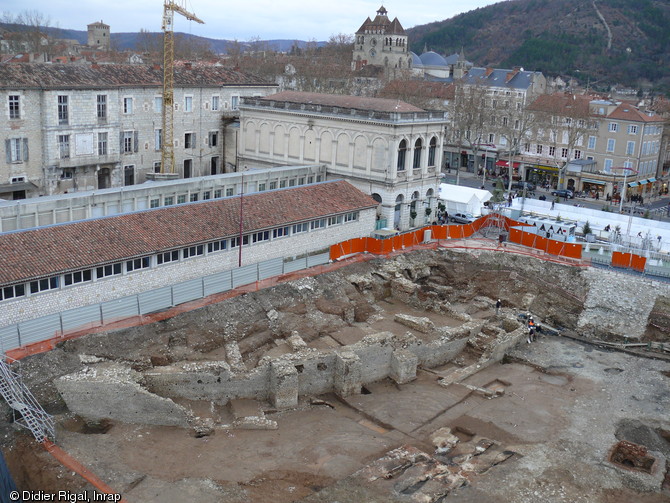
169, 8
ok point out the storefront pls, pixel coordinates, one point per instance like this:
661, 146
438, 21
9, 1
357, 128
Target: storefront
542, 175
594, 188
502, 169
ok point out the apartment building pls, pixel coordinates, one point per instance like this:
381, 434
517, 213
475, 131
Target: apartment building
594, 145
384, 147
70, 128
492, 116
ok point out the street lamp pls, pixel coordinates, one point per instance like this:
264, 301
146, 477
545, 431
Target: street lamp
625, 169
486, 152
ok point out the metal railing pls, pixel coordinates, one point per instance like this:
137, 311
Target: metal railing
26, 409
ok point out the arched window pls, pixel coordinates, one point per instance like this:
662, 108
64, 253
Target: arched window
418, 145
431, 151
402, 149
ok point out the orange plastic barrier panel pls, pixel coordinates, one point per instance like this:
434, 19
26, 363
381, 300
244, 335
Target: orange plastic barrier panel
555, 247
439, 232
620, 259
387, 246
572, 250
358, 245
374, 245
515, 236
540, 243
334, 252
528, 239
411, 238
638, 263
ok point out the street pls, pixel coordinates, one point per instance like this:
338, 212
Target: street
653, 205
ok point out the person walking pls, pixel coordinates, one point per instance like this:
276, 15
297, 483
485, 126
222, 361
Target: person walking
498, 304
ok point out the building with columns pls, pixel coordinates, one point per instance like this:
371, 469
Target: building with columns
386, 148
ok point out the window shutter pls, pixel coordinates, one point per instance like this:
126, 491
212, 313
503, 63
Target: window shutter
25, 149
194, 142
136, 141
8, 151
121, 142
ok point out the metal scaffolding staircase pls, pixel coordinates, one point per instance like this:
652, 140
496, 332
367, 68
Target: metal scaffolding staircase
27, 411
496, 223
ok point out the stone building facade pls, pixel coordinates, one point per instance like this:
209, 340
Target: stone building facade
616, 143
386, 148
70, 128
381, 42
99, 36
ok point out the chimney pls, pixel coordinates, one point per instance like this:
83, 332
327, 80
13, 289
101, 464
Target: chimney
188, 66
156, 66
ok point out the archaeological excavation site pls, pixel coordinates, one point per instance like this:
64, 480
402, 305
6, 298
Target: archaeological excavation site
379, 380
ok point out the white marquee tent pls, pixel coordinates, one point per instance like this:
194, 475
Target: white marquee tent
459, 199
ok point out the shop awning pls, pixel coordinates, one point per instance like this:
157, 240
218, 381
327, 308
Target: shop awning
644, 182
546, 168
651, 180
633, 184
505, 164
597, 182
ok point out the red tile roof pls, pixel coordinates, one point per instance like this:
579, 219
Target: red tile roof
64, 76
628, 112
343, 101
55, 249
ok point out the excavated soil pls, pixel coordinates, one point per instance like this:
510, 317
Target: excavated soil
544, 437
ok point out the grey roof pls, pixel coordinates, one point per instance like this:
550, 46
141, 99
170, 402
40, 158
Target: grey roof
453, 59
416, 60
498, 77
432, 58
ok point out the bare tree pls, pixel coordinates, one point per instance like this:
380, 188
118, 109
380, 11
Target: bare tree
469, 118
514, 123
564, 121
30, 33
149, 42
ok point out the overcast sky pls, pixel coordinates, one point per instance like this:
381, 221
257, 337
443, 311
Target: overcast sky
243, 19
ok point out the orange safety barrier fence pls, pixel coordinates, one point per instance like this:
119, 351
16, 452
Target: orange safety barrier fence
638, 263
629, 261
72, 464
620, 259
410, 239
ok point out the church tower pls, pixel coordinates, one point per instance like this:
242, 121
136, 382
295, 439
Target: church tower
381, 42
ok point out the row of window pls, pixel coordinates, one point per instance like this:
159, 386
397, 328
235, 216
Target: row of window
129, 143
63, 106
137, 264
418, 147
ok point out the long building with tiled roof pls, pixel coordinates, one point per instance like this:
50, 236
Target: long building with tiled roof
74, 127
104, 258
63, 76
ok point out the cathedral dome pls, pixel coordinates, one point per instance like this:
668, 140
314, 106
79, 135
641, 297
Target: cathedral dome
416, 60
432, 58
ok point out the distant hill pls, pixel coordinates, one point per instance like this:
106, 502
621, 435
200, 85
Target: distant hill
614, 41
129, 40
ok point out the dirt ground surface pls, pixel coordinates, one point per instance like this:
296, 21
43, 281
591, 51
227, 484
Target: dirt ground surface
542, 426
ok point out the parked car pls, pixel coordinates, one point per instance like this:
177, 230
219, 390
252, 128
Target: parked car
523, 185
563, 193
462, 218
